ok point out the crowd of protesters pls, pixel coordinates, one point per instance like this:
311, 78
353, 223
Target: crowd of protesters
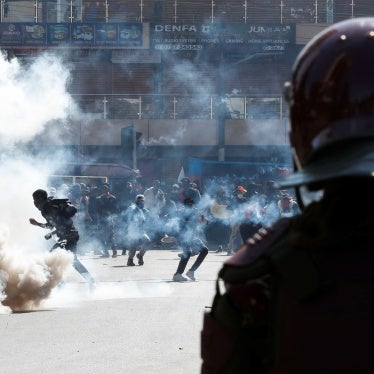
133, 219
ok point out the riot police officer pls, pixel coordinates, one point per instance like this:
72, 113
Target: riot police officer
298, 296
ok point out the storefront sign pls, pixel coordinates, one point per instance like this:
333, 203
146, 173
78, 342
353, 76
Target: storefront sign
112, 35
251, 37
257, 38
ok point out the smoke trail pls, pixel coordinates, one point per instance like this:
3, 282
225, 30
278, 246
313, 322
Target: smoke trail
71, 294
25, 281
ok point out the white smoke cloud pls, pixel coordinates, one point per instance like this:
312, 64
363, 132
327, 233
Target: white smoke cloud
31, 96
34, 96
169, 140
71, 294
193, 77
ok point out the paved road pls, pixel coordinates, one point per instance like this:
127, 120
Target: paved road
136, 321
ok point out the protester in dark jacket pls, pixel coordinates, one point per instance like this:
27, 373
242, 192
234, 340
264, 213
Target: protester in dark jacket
58, 214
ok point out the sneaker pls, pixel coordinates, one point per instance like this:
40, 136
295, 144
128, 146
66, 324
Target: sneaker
140, 259
130, 262
179, 278
191, 274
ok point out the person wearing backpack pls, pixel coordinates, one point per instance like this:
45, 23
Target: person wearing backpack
298, 296
58, 214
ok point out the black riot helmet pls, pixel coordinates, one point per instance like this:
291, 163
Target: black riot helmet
331, 99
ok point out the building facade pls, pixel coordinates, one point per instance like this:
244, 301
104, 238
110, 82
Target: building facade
195, 78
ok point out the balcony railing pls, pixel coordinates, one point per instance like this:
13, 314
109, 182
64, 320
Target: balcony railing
153, 106
183, 11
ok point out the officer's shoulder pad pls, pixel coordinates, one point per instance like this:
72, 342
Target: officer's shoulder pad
259, 243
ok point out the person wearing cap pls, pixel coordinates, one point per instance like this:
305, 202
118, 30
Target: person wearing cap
298, 296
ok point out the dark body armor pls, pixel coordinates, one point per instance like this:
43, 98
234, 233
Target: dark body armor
298, 297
